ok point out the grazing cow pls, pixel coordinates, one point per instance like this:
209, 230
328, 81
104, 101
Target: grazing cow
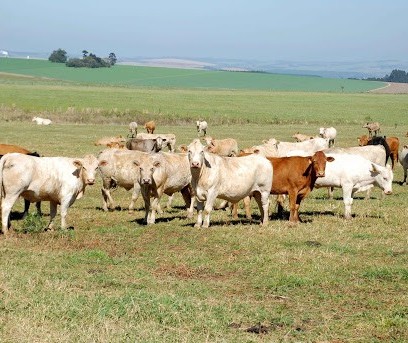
403, 158
59, 180
274, 148
385, 142
296, 177
372, 127
329, 133
150, 126
229, 178
354, 173
132, 130
169, 139
222, 147
116, 169
299, 137
42, 121
202, 126
110, 140
145, 145
163, 173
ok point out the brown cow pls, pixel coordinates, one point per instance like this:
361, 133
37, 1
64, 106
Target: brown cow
150, 126
6, 148
392, 142
295, 176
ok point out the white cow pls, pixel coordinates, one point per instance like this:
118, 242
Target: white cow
163, 173
132, 129
354, 173
228, 178
116, 169
202, 126
329, 133
169, 139
403, 158
42, 121
59, 180
222, 147
274, 148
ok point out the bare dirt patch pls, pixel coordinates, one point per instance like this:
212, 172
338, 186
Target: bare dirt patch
392, 88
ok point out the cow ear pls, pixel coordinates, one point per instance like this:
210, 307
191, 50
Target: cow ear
375, 169
157, 164
329, 159
103, 163
77, 163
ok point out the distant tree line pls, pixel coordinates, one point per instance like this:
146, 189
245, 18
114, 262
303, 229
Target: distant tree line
396, 75
88, 60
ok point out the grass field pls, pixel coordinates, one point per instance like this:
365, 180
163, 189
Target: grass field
112, 279
182, 78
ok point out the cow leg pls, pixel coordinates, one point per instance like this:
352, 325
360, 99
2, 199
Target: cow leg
6, 205
247, 205
186, 192
53, 213
404, 182
262, 199
146, 198
348, 200
234, 210
38, 206
330, 191
135, 195
107, 199
293, 217
211, 196
170, 200
200, 206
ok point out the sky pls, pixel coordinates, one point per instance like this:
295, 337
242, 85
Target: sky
263, 30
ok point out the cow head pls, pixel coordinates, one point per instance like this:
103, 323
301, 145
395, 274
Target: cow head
363, 140
196, 154
147, 166
383, 177
86, 168
318, 161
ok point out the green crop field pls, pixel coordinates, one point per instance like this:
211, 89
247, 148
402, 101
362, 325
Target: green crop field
113, 279
182, 78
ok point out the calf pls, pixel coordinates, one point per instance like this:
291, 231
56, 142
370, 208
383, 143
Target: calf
163, 173
354, 173
329, 133
372, 127
201, 127
229, 178
145, 145
42, 121
110, 140
59, 180
132, 129
150, 126
222, 147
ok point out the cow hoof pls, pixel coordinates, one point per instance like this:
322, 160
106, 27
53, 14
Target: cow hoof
189, 215
197, 225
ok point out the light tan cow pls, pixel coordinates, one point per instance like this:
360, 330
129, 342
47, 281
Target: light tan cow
132, 130
372, 127
59, 180
150, 126
163, 173
299, 137
201, 127
222, 147
169, 139
228, 178
111, 140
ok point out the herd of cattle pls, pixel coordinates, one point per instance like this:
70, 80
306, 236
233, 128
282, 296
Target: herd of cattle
201, 172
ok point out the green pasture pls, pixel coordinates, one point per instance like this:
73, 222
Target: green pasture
113, 279
133, 76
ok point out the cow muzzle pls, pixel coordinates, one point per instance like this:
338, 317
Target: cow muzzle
146, 181
387, 192
321, 174
195, 164
90, 181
